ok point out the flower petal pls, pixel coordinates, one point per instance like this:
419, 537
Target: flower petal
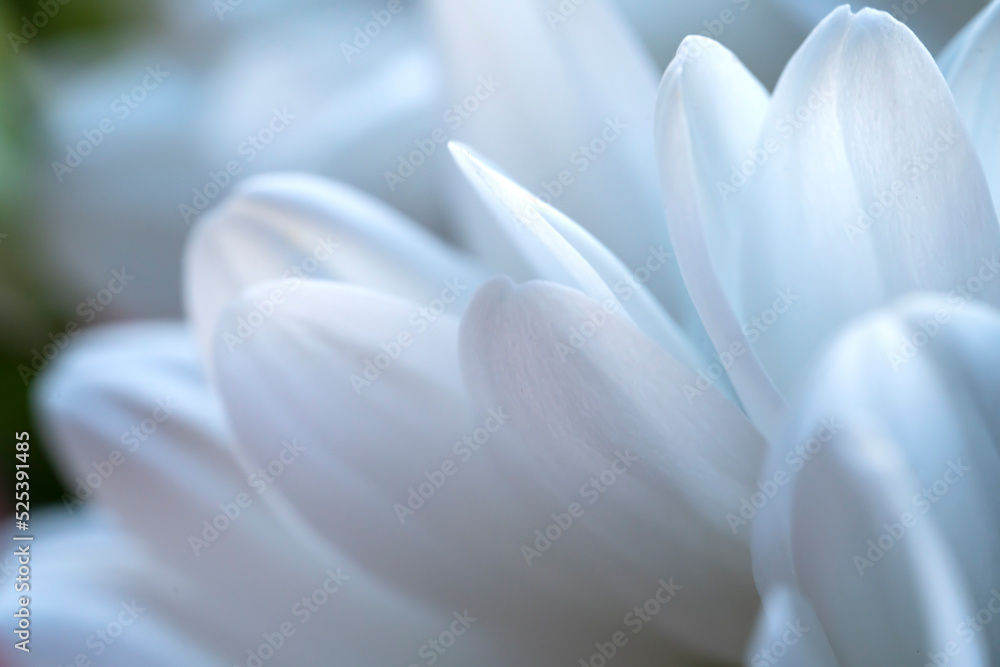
577, 410
698, 139
896, 444
971, 66
137, 425
873, 190
571, 119
295, 226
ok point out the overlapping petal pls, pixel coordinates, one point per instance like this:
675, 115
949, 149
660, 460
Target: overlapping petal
590, 153
698, 140
139, 427
577, 407
883, 492
862, 185
296, 227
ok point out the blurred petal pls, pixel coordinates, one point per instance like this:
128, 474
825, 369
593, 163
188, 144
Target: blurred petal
293, 227
898, 433
135, 395
971, 65
698, 139
576, 411
873, 189
571, 120
89, 577
131, 200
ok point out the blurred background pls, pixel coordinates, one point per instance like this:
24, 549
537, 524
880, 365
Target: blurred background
121, 121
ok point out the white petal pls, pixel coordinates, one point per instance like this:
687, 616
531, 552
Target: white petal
574, 101
971, 65
900, 418
574, 408
294, 226
863, 125
177, 480
558, 250
911, 601
376, 434
699, 139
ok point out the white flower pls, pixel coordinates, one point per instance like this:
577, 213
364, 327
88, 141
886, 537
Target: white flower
489, 473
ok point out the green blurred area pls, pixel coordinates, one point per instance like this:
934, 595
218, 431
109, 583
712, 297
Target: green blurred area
28, 27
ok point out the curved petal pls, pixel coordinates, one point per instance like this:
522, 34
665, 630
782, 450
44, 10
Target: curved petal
971, 65
592, 398
554, 246
698, 140
395, 468
571, 119
295, 226
96, 593
138, 427
873, 190
884, 584
909, 395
